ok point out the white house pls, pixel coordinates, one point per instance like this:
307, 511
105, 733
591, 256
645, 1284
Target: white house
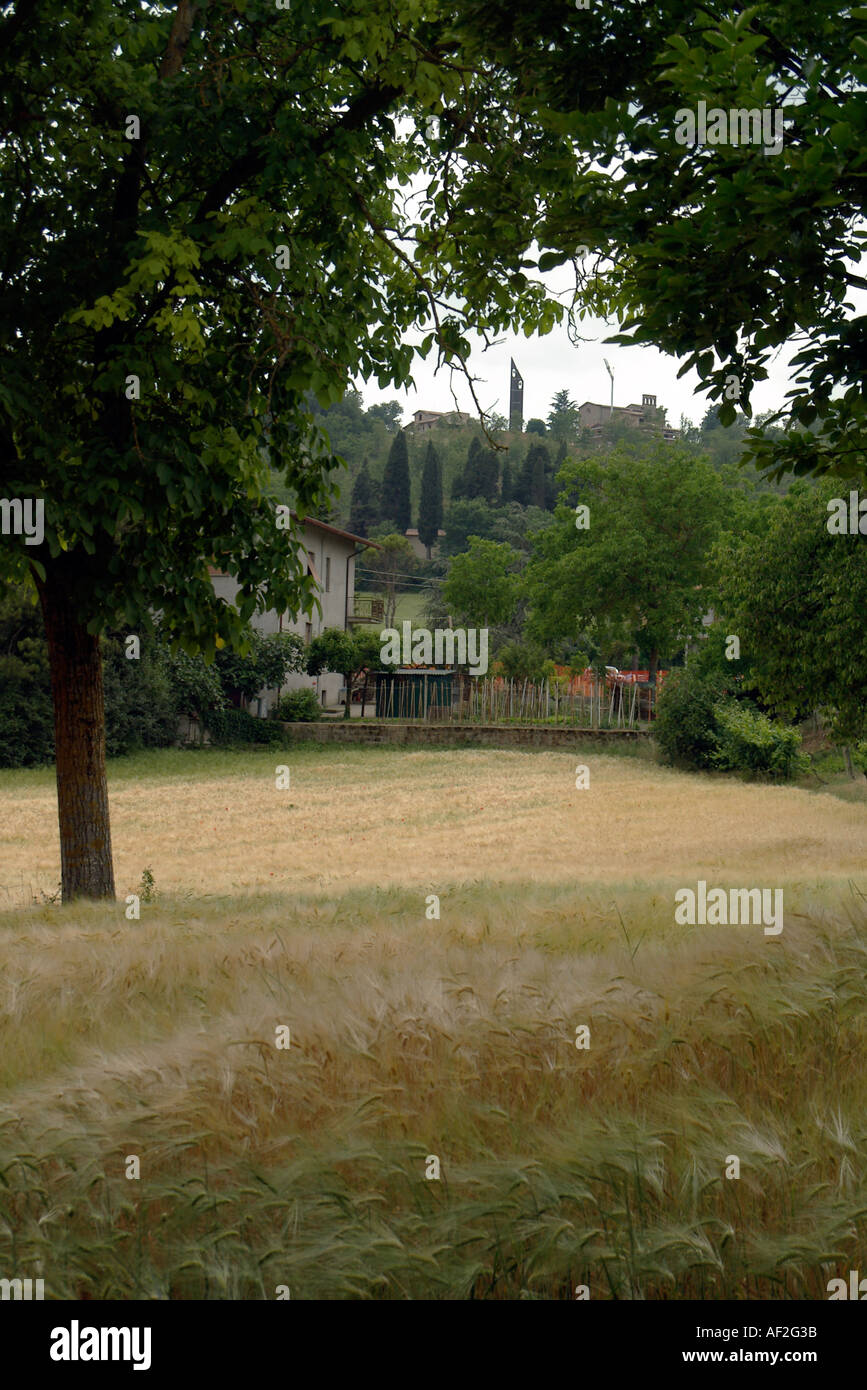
331, 555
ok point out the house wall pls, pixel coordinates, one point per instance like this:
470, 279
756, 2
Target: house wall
591, 414
427, 420
329, 555
418, 548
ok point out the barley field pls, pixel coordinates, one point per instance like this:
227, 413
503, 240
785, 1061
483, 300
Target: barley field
419, 1044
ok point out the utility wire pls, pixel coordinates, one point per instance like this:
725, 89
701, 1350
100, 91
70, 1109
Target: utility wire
410, 578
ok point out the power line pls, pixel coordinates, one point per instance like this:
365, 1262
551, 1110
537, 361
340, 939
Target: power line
398, 574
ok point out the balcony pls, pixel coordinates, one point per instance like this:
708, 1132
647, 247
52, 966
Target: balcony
366, 610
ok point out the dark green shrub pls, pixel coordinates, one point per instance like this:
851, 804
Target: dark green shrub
748, 741
195, 686
140, 703
522, 661
144, 696
686, 720
708, 661
301, 705
26, 712
26, 716
230, 726
267, 663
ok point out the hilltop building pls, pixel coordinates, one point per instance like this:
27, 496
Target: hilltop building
647, 416
424, 420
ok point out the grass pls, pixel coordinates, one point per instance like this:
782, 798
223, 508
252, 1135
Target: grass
828, 775
409, 607
413, 1037
213, 822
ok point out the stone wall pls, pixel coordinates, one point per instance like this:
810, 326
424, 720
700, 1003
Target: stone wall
457, 735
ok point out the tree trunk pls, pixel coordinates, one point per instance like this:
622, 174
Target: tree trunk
847, 759
79, 739
654, 662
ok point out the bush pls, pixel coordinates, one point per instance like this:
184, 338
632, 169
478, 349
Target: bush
139, 701
686, 720
266, 665
228, 726
522, 661
859, 756
26, 715
143, 697
195, 686
750, 742
300, 705
698, 727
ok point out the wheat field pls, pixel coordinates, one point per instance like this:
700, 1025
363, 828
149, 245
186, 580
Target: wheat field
309, 1169
206, 823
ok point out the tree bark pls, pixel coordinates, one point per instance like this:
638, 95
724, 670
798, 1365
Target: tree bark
182, 27
79, 738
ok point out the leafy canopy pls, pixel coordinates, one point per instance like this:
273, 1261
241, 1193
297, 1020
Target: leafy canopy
715, 253
796, 595
201, 216
644, 556
482, 586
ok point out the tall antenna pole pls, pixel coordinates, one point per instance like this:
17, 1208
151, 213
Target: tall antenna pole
611, 374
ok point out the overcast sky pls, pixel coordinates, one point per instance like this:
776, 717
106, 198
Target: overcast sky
549, 364
552, 363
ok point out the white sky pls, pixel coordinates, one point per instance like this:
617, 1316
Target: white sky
551, 363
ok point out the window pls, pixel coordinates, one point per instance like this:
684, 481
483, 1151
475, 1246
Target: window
308, 633
328, 574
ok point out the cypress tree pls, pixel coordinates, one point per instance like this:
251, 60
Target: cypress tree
523, 485
440, 490
473, 477
530, 489
507, 486
430, 511
395, 484
481, 473
489, 475
551, 484
541, 464
364, 504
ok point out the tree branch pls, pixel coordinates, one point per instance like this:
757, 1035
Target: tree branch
182, 28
